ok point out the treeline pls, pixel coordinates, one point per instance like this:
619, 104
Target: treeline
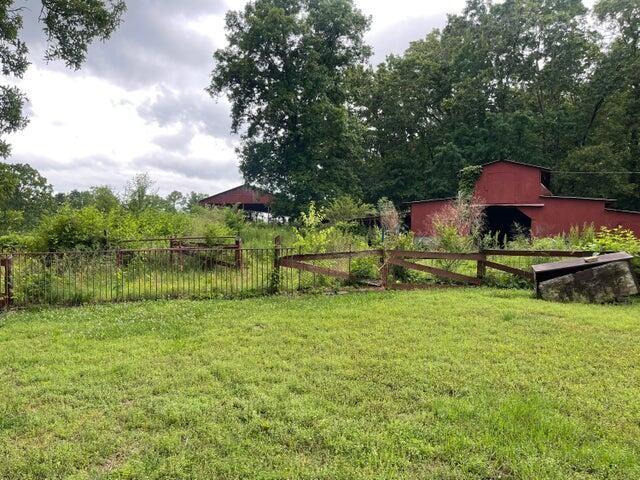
547, 82
26, 197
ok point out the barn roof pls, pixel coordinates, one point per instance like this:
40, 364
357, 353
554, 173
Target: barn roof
593, 199
446, 199
240, 195
539, 167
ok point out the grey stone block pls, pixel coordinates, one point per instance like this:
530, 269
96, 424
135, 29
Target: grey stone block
603, 284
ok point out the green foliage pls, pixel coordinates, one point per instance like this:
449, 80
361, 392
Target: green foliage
311, 235
364, 268
25, 196
616, 239
235, 219
140, 195
288, 71
531, 81
603, 165
215, 231
344, 209
15, 242
72, 229
468, 179
103, 198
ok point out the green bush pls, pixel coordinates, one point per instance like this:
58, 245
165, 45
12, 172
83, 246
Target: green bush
15, 242
616, 239
215, 231
72, 230
235, 220
364, 268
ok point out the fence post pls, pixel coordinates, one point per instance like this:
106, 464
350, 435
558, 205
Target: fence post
384, 269
118, 258
482, 266
8, 280
238, 253
277, 252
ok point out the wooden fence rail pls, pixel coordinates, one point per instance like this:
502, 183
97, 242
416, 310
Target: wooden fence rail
408, 259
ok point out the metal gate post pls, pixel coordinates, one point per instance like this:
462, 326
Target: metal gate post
8, 281
277, 252
238, 247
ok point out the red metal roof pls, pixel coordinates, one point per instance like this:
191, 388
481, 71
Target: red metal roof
517, 163
240, 195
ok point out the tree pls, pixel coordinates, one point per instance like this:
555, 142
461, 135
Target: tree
176, 200
29, 198
140, 195
525, 80
287, 71
616, 111
70, 27
192, 200
104, 199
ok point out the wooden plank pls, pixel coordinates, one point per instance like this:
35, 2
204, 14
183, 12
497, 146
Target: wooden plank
287, 262
505, 268
434, 255
332, 256
438, 272
593, 262
537, 253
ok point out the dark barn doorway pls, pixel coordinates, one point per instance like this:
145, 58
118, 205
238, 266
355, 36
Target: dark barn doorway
506, 222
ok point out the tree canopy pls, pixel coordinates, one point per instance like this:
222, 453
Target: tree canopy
547, 82
287, 70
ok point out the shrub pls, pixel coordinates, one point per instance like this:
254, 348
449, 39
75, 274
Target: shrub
311, 235
15, 242
616, 239
215, 231
458, 225
72, 230
235, 220
364, 268
342, 211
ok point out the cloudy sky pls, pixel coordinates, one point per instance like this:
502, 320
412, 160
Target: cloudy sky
138, 104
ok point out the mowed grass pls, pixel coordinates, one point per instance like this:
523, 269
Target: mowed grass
459, 383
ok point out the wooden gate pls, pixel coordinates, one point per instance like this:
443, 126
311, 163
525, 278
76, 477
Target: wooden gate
473, 274
300, 262
408, 259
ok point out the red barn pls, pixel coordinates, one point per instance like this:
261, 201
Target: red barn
244, 197
517, 193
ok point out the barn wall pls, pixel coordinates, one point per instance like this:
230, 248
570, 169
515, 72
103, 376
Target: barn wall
630, 220
509, 183
560, 214
422, 214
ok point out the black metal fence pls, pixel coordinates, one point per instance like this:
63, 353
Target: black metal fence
73, 278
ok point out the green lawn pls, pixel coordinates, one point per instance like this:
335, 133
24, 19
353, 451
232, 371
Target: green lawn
459, 383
